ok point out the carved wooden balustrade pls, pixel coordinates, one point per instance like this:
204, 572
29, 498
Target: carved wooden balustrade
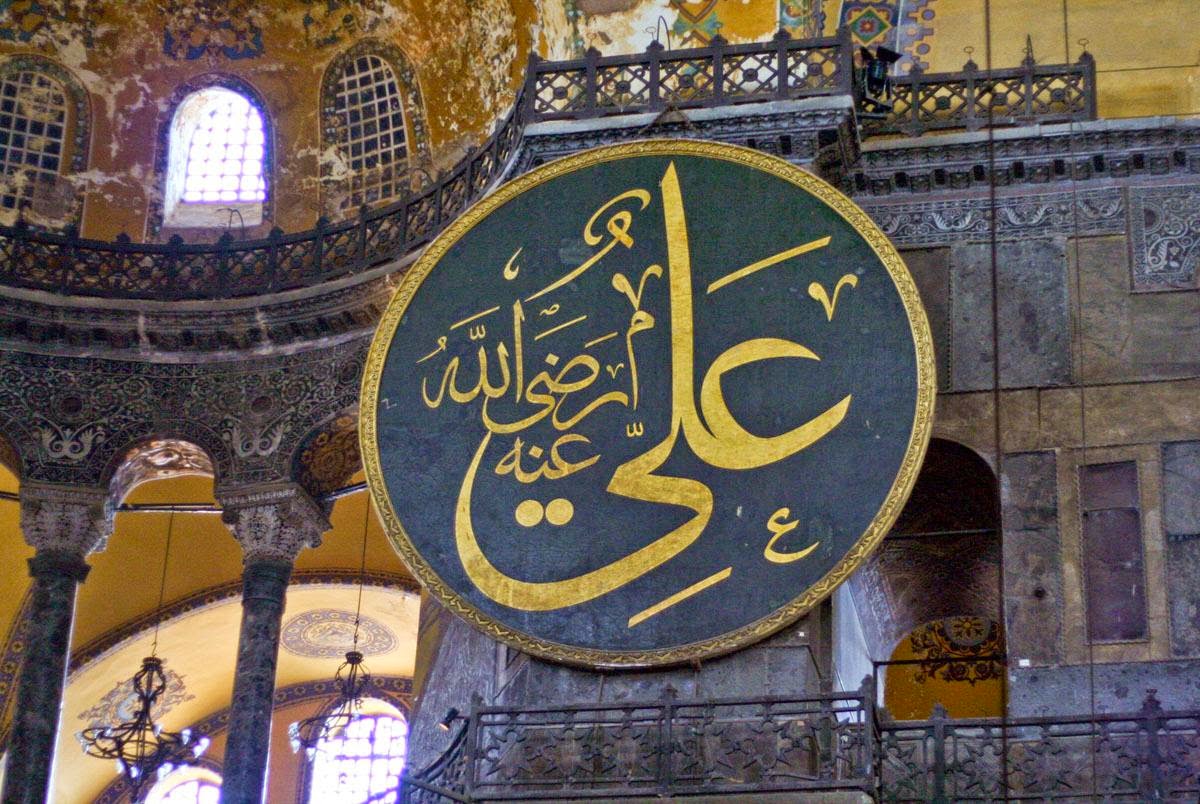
830, 742
715, 76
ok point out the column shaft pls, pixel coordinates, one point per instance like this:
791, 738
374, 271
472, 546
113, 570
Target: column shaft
43, 676
264, 585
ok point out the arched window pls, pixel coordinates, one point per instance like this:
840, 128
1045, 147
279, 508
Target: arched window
43, 131
187, 785
216, 158
364, 759
374, 122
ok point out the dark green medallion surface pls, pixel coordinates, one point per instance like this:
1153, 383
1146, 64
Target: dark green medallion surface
647, 404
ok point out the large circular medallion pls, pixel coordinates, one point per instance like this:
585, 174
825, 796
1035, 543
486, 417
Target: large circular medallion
648, 403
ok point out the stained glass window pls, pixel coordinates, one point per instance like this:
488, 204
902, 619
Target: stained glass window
363, 760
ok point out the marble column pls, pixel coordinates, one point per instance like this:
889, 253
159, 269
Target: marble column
64, 524
273, 524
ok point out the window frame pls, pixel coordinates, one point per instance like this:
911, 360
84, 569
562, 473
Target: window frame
158, 222
179, 211
185, 773
375, 703
76, 139
336, 185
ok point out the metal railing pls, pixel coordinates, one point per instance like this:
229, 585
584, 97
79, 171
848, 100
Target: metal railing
717, 75
676, 747
825, 742
1148, 755
973, 98
658, 79
64, 263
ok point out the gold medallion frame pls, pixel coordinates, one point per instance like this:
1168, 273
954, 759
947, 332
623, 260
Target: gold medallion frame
745, 635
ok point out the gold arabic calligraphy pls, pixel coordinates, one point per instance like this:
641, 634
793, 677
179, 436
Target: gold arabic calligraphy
706, 424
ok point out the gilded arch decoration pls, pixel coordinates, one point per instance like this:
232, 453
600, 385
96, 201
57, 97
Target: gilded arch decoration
336, 178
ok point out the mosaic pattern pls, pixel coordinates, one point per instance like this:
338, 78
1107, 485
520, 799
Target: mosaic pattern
330, 22
871, 24
120, 703
1164, 228
329, 457
944, 645
228, 28
803, 19
329, 633
695, 27
45, 23
916, 28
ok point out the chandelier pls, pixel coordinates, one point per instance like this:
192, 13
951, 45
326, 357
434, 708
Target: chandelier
351, 681
141, 747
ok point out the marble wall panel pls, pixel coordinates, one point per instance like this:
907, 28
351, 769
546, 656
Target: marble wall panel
1181, 524
1034, 326
1128, 336
1033, 585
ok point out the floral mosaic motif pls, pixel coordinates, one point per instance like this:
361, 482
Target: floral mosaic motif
120, 703
871, 24
916, 27
329, 457
1165, 236
228, 28
695, 27
959, 649
803, 19
44, 22
329, 633
329, 22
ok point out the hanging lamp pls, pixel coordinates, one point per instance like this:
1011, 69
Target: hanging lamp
351, 680
143, 749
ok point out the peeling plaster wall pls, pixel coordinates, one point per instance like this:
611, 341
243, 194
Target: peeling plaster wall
133, 59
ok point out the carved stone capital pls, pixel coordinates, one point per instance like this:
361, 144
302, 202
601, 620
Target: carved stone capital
273, 522
73, 520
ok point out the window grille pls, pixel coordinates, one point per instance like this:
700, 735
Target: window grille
33, 121
362, 761
372, 135
225, 153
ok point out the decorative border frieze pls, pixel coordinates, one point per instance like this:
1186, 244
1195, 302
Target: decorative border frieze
943, 222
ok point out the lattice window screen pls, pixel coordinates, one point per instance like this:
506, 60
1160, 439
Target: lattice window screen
33, 122
372, 131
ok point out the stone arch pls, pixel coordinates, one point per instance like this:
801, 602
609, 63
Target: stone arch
57, 203
328, 455
162, 155
149, 456
10, 456
942, 556
337, 190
